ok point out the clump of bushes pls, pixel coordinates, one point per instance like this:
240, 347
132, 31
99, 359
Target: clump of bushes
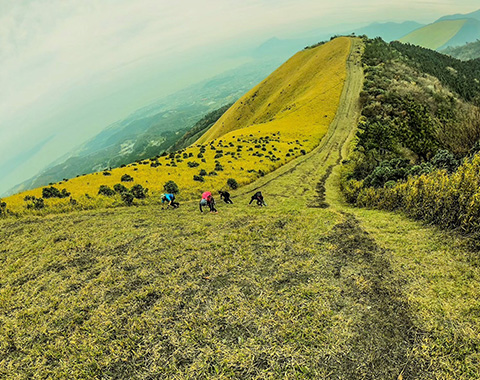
119, 188
53, 192
192, 164
198, 178
126, 178
37, 203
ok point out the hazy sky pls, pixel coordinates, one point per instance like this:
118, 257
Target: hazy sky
68, 68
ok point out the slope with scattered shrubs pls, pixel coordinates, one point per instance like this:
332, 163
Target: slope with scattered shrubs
305, 98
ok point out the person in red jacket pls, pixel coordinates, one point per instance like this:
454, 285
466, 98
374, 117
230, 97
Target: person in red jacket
207, 200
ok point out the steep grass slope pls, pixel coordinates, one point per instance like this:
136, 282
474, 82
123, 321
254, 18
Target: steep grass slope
446, 33
300, 97
282, 118
435, 35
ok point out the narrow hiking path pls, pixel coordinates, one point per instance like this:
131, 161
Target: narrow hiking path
381, 335
307, 287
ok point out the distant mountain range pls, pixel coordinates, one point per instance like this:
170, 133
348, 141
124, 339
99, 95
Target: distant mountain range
153, 129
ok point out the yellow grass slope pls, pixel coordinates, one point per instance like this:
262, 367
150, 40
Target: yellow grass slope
435, 35
300, 97
282, 118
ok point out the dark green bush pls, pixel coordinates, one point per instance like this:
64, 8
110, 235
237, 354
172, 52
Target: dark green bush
232, 183
127, 198
105, 190
192, 164
3, 208
119, 188
126, 178
170, 187
203, 172
53, 192
139, 192
37, 203
443, 159
198, 178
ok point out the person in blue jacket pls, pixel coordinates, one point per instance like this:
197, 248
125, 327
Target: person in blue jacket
170, 200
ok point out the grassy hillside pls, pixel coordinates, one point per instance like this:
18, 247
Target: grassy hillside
292, 95
303, 93
435, 35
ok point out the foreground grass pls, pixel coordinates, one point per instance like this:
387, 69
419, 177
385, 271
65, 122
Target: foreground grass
150, 291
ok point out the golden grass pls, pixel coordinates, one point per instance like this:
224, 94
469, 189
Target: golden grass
287, 115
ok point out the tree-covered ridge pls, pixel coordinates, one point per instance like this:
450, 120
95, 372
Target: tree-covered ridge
407, 113
461, 77
465, 52
419, 128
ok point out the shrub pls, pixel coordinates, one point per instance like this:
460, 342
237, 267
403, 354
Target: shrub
105, 190
139, 192
127, 198
213, 173
119, 188
171, 187
198, 178
37, 203
107, 173
232, 183
203, 172
218, 167
192, 164
3, 208
445, 160
126, 178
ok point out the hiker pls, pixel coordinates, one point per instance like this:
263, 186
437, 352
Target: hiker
170, 199
259, 198
225, 195
207, 200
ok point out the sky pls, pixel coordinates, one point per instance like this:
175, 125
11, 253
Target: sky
69, 68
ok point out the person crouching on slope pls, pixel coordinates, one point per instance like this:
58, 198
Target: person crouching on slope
207, 200
259, 198
225, 195
170, 199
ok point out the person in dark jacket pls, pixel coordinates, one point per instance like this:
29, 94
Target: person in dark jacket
259, 198
225, 195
